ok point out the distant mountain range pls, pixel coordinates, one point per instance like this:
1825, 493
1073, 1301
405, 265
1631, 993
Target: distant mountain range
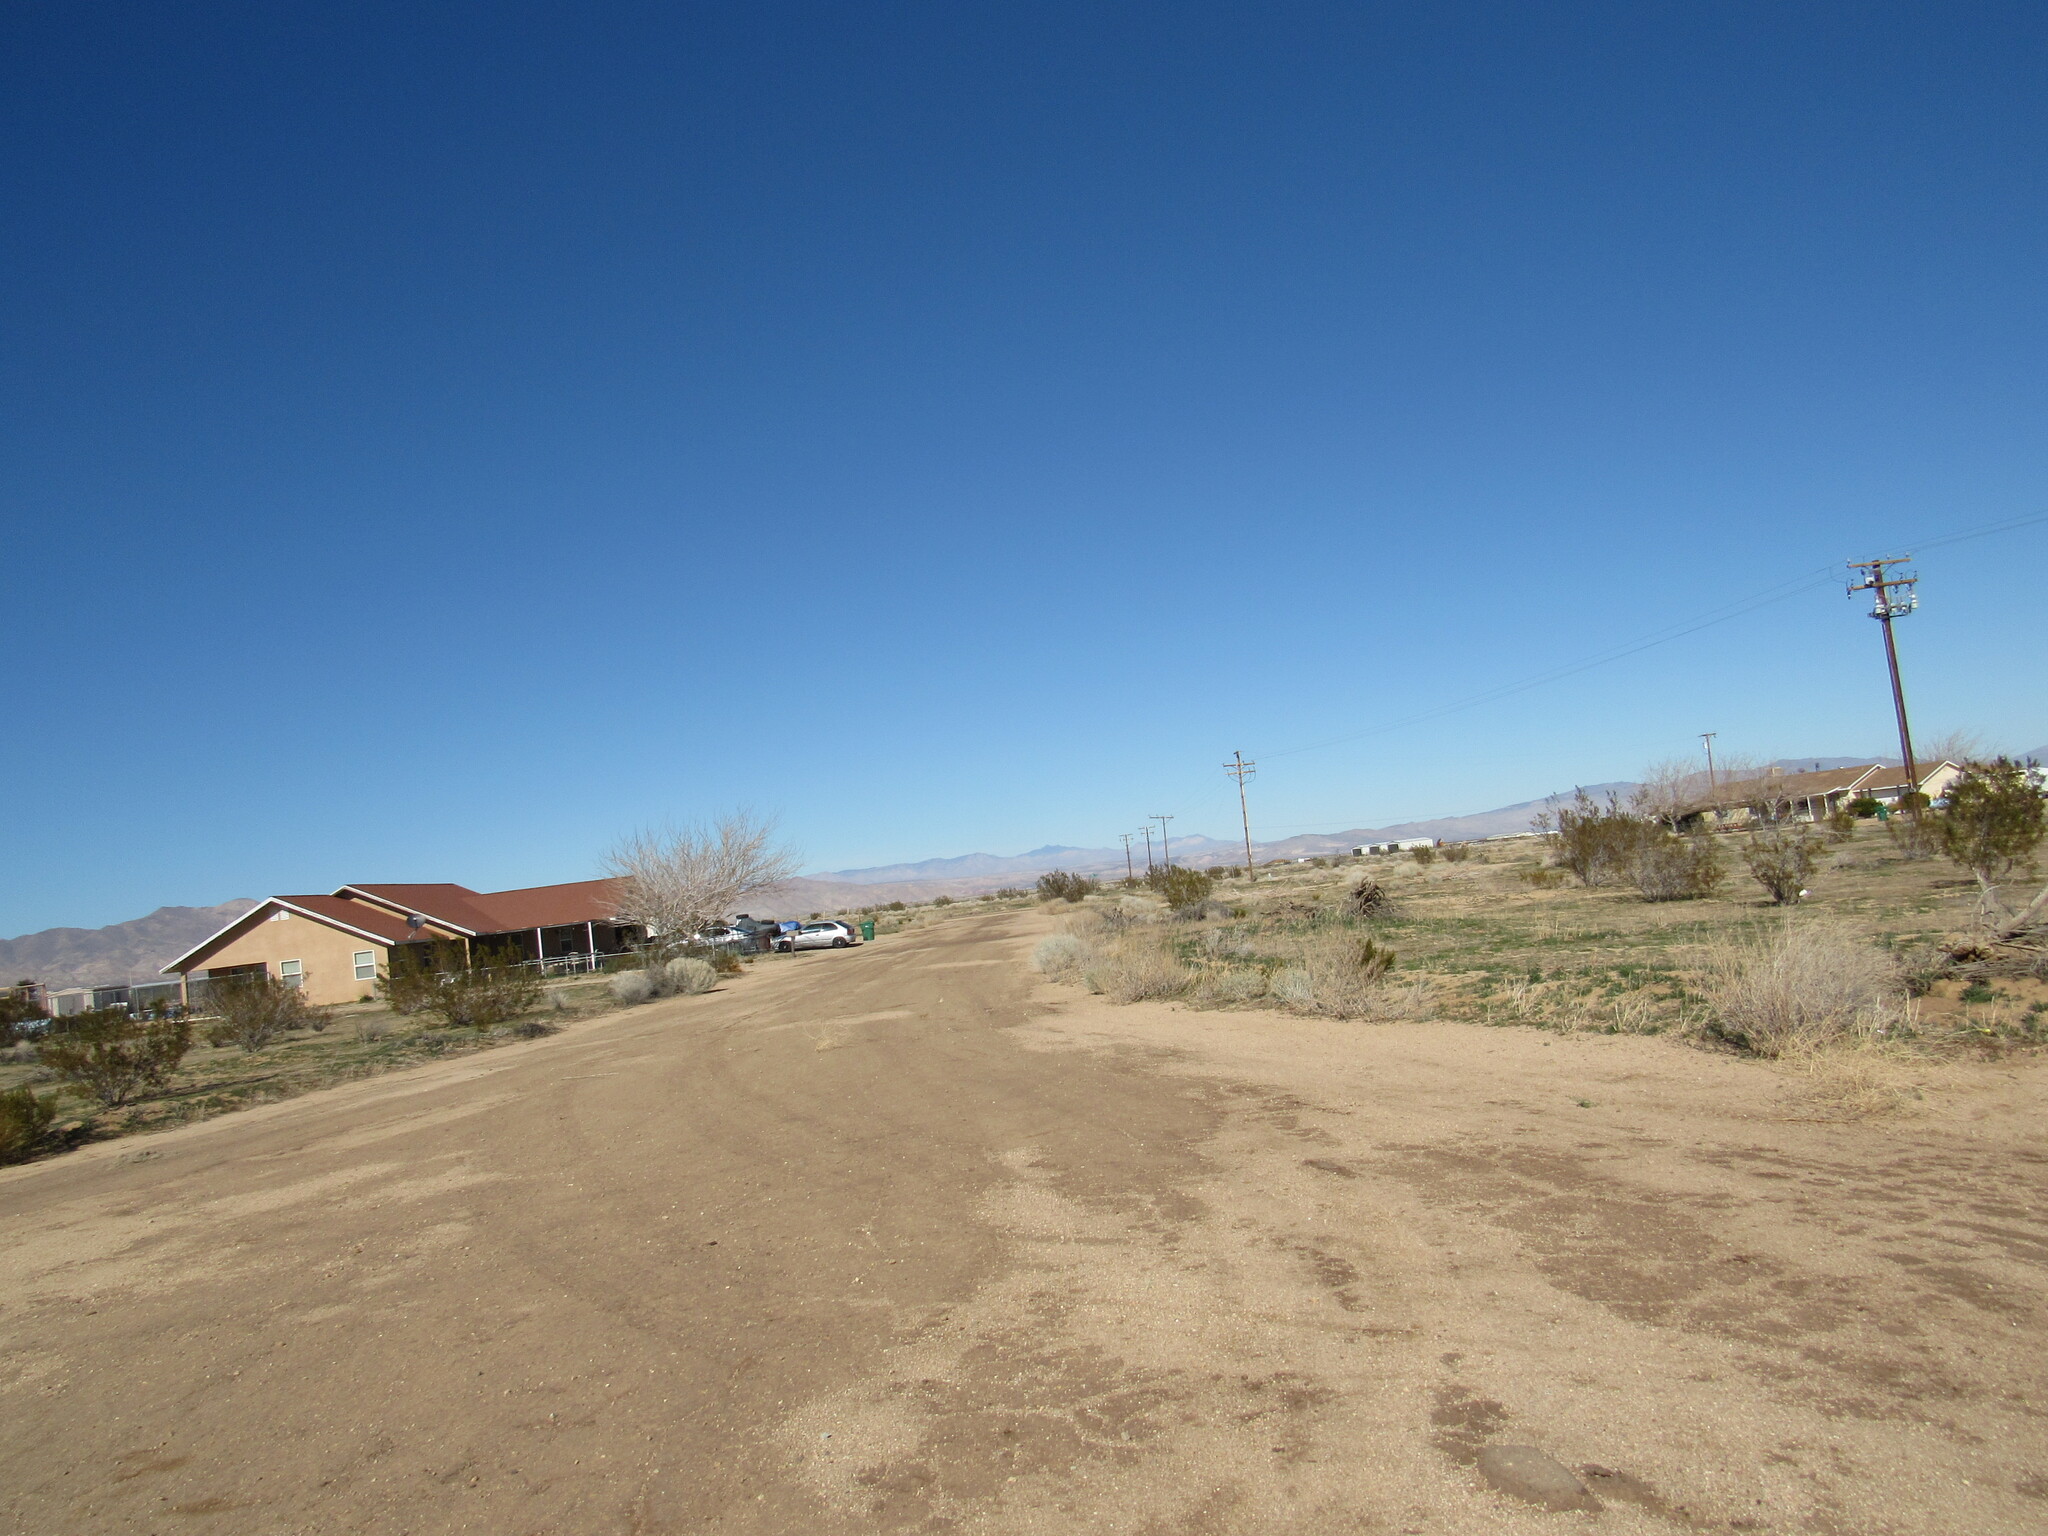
124, 952
133, 951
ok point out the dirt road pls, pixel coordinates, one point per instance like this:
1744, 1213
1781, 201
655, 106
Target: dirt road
901, 1239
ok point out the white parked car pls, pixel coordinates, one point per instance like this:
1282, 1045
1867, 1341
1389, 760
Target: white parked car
826, 935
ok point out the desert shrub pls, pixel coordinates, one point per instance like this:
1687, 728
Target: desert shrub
1424, 855
1841, 824
689, 976
1234, 986
1136, 971
1863, 807
114, 1058
632, 986
1334, 974
254, 1010
895, 906
1009, 892
1059, 956
463, 991
1455, 853
1782, 861
1671, 868
1542, 879
1059, 885
942, 901
1913, 840
24, 1120
1799, 987
1369, 899
1599, 843
1995, 821
1182, 888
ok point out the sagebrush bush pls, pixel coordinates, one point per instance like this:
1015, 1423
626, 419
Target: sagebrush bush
632, 986
689, 976
1334, 974
1136, 971
24, 1120
1800, 986
1059, 956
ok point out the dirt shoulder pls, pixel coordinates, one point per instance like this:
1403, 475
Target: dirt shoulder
904, 1239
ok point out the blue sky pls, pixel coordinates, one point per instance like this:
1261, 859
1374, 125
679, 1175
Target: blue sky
437, 438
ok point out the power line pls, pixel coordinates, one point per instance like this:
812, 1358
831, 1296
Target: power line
1792, 587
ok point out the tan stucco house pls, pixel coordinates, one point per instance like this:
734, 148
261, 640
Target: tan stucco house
1776, 796
334, 947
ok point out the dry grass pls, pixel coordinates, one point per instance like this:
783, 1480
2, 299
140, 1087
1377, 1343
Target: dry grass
1136, 969
1799, 987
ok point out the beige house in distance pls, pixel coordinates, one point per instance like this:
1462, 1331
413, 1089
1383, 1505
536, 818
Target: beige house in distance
1777, 796
334, 947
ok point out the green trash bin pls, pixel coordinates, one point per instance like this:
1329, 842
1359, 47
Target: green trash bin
867, 930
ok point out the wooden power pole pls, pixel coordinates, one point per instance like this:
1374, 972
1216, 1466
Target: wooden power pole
1885, 607
1241, 770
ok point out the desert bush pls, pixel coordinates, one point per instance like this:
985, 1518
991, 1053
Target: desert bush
254, 1010
115, 1058
1601, 844
1672, 868
1369, 899
1059, 885
1542, 879
1799, 987
1181, 888
895, 906
1059, 956
1912, 840
24, 1120
1135, 971
689, 976
942, 901
1334, 974
1782, 861
1234, 986
1455, 853
1841, 824
464, 991
632, 986
1863, 807
1424, 855
1995, 821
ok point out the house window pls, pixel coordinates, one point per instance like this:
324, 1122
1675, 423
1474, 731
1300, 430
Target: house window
366, 965
293, 972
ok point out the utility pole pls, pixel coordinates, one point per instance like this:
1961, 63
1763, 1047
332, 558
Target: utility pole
1165, 847
1130, 872
1884, 608
1147, 829
1713, 789
1241, 770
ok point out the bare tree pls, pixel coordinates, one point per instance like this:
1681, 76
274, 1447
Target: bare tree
1668, 790
675, 881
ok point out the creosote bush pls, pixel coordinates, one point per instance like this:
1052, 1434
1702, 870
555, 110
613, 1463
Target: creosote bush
1181, 888
1425, 855
1671, 868
1601, 843
1059, 885
1995, 821
1782, 860
114, 1058
255, 1010
464, 992
24, 1121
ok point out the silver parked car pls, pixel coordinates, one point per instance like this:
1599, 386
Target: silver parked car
825, 935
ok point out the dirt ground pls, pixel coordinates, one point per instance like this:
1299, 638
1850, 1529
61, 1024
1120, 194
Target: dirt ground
904, 1239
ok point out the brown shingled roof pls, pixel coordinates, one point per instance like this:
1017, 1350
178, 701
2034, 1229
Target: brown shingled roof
474, 912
